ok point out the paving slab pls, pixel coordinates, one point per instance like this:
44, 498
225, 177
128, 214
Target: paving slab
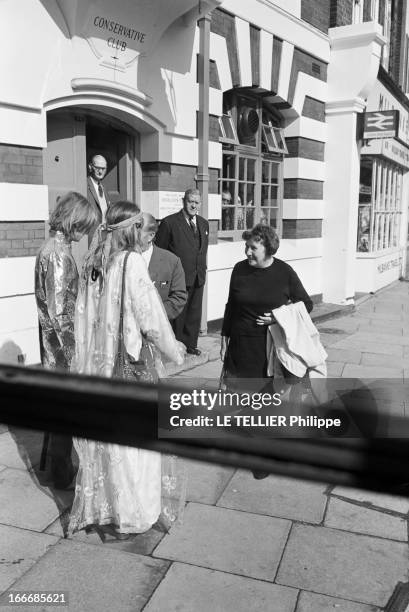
351, 517
347, 324
97, 579
355, 343
386, 324
335, 369
211, 369
19, 550
366, 371
236, 542
344, 355
346, 565
391, 332
375, 359
382, 336
20, 449
380, 316
26, 504
141, 544
206, 481
276, 496
311, 602
394, 503
186, 588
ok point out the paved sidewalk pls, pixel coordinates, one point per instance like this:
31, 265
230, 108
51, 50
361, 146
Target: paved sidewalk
275, 545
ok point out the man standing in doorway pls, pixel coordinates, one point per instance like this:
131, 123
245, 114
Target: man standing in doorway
96, 193
186, 234
165, 270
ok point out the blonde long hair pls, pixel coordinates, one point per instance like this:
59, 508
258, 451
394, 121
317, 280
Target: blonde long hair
121, 232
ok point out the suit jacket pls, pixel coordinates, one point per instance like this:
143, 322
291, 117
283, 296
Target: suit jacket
92, 197
175, 235
165, 270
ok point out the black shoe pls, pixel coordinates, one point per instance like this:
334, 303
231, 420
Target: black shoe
259, 475
193, 351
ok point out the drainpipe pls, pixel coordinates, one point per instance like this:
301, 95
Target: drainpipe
202, 176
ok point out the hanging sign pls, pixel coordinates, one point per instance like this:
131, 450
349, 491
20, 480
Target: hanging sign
381, 124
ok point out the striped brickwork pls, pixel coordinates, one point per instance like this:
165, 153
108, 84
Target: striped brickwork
246, 55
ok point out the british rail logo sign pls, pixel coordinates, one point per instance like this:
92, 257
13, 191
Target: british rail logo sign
381, 124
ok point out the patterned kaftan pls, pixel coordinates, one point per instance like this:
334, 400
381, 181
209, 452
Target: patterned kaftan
56, 288
117, 484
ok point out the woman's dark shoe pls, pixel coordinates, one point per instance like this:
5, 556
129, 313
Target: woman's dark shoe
259, 474
193, 351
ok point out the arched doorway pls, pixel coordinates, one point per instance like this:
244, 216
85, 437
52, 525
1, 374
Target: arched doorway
74, 135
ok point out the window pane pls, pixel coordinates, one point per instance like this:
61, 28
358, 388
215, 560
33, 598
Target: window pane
269, 138
273, 196
365, 182
227, 218
251, 165
250, 194
279, 138
264, 216
364, 223
228, 127
240, 218
265, 194
249, 217
242, 175
229, 166
274, 217
265, 177
274, 172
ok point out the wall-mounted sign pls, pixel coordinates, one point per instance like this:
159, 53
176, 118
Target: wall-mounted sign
381, 124
117, 37
390, 148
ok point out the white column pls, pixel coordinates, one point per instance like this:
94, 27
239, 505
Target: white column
341, 191
352, 73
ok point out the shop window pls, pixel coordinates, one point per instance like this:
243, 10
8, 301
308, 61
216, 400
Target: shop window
251, 183
380, 205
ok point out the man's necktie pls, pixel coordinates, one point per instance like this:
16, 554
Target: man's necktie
193, 226
100, 190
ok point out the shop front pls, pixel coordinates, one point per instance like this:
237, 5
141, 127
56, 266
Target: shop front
382, 209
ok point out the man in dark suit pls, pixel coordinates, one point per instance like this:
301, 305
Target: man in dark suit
165, 269
96, 193
186, 234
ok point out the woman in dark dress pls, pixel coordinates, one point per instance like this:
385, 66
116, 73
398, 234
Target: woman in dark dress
258, 285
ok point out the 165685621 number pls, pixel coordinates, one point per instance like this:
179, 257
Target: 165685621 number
26, 598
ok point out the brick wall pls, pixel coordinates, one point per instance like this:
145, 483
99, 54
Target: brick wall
302, 228
213, 128
314, 109
255, 54
21, 165
21, 238
214, 80
316, 13
306, 148
303, 188
161, 176
340, 13
222, 23
304, 62
275, 66
397, 40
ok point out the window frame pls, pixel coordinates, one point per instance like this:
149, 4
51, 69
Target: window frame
246, 151
385, 207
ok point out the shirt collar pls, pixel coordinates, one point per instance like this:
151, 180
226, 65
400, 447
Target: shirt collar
188, 218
